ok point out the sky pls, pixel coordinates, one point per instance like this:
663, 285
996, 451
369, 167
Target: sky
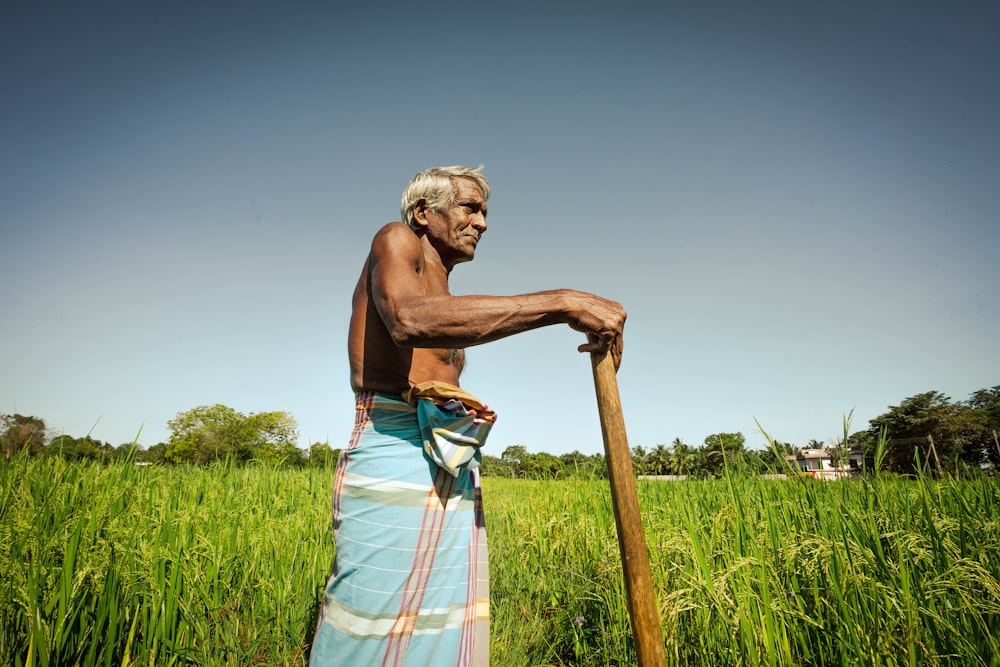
796, 202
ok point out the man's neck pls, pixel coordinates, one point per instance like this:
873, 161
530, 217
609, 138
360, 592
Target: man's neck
433, 259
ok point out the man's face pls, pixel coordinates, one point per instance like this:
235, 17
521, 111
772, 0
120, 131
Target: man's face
455, 231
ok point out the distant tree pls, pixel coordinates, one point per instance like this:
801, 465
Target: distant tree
598, 467
494, 466
701, 465
543, 466
640, 465
516, 457
725, 442
985, 405
155, 454
18, 432
79, 449
724, 449
787, 448
203, 434
321, 455
582, 466
758, 461
863, 440
839, 454
911, 426
127, 450
772, 458
658, 460
681, 457
287, 454
987, 401
210, 433
574, 461
271, 436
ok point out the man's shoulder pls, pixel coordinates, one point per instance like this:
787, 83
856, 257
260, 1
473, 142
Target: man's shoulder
395, 239
395, 234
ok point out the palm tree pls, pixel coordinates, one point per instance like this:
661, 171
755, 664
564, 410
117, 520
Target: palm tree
681, 457
639, 460
659, 460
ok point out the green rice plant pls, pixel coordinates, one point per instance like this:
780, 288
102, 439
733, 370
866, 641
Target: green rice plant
116, 565
122, 565
759, 572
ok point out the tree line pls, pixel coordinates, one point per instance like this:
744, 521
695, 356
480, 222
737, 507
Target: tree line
201, 435
925, 432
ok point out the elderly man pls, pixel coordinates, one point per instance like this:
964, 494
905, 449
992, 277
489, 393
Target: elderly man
410, 577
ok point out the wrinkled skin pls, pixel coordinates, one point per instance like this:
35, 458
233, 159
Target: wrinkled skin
406, 327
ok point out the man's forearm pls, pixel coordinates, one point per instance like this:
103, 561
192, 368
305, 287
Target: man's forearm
463, 321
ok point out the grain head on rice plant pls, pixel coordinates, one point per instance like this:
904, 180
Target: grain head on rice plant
224, 565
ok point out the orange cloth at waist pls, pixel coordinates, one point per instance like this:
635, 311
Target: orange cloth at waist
437, 392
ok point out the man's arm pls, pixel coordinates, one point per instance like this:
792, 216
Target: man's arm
416, 318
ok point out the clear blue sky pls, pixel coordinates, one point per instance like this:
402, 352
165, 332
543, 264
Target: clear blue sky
796, 202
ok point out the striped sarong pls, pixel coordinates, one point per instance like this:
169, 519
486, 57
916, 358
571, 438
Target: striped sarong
410, 582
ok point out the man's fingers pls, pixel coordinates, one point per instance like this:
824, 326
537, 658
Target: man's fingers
593, 344
608, 340
601, 344
616, 351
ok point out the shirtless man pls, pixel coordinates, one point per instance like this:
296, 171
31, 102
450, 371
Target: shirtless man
406, 326
408, 331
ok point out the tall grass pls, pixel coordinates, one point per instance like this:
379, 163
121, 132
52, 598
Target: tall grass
125, 565
122, 565
755, 572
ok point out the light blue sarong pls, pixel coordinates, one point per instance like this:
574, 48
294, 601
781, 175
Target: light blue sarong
410, 580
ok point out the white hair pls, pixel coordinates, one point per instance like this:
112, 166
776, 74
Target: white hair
436, 187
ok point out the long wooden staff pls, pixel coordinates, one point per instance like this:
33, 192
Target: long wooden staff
642, 607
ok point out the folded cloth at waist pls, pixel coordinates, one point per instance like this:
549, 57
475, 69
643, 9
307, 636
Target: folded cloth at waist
440, 392
454, 424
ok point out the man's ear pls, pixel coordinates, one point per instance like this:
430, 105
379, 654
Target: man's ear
420, 211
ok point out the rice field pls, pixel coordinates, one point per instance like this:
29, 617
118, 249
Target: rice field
123, 565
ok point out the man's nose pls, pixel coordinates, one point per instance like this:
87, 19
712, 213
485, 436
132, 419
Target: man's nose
479, 222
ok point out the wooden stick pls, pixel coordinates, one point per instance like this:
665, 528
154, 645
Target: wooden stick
930, 439
642, 606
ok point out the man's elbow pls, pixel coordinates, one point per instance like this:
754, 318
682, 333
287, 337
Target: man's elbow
407, 334
403, 327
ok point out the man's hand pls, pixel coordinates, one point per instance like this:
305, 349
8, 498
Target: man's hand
594, 344
602, 320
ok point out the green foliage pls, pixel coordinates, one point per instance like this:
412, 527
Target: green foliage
79, 449
986, 405
218, 432
494, 466
578, 465
725, 442
518, 462
542, 466
639, 455
961, 432
321, 455
155, 454
725, 451
19, 433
